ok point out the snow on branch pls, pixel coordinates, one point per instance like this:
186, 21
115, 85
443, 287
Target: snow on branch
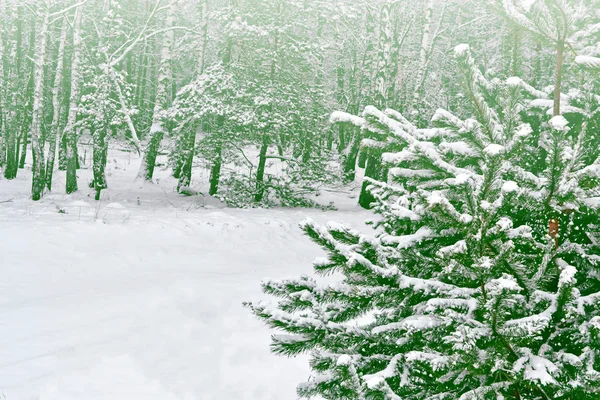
518, 82
341, 117
428, 286
588, 62
424, 149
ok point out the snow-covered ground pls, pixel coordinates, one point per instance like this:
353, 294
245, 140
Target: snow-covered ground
142, 299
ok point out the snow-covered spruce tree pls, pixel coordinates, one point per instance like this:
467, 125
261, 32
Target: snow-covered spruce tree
481, 280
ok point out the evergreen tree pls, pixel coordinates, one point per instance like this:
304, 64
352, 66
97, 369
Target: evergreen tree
480, 280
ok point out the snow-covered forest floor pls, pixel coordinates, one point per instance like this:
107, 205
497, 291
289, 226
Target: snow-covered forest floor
127, 299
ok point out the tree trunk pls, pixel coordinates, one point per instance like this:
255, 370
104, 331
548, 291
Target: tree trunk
3, 86
25, 111
423, 51
204, 35
10, 171
99, 161
384, 54
62, 153
260, 172
55, 130
140, 79
351, 156
372, 171
146, 171
560, 54
215, 171
37, 142
178, 155
307, 150
2, 140
185, 160
369, 57
163, 91
69, 132
23, 141
123, 103
14, 100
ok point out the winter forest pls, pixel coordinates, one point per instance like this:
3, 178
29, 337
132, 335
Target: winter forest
437, 161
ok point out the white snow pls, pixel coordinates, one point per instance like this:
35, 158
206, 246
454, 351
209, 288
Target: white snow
518, 82
435, 360
412, 173
536, 368
504, 224
514, 81
340, 116
121, 299
116, 206
587, 61
559, 123
510, 186
407, 241
524, 130
344, 359
494, 150
374, 382
461, 49
460, 148
593, 202
506, 283
541, 103
396, 158
436, 198
116, 377
459, 247
443, 115
412, 323
567, 275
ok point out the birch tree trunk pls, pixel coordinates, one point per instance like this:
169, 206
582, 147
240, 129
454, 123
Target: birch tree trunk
26, 111
99, 160
37, 142
69, 132
55, 131
361, 80
10, 113
381, 95
163, 98
184, 173
384, 54
2, 87
349, 135
100, 130
123, 103
423, 51
100, 138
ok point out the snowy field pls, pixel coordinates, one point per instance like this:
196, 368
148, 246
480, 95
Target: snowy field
142, 299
